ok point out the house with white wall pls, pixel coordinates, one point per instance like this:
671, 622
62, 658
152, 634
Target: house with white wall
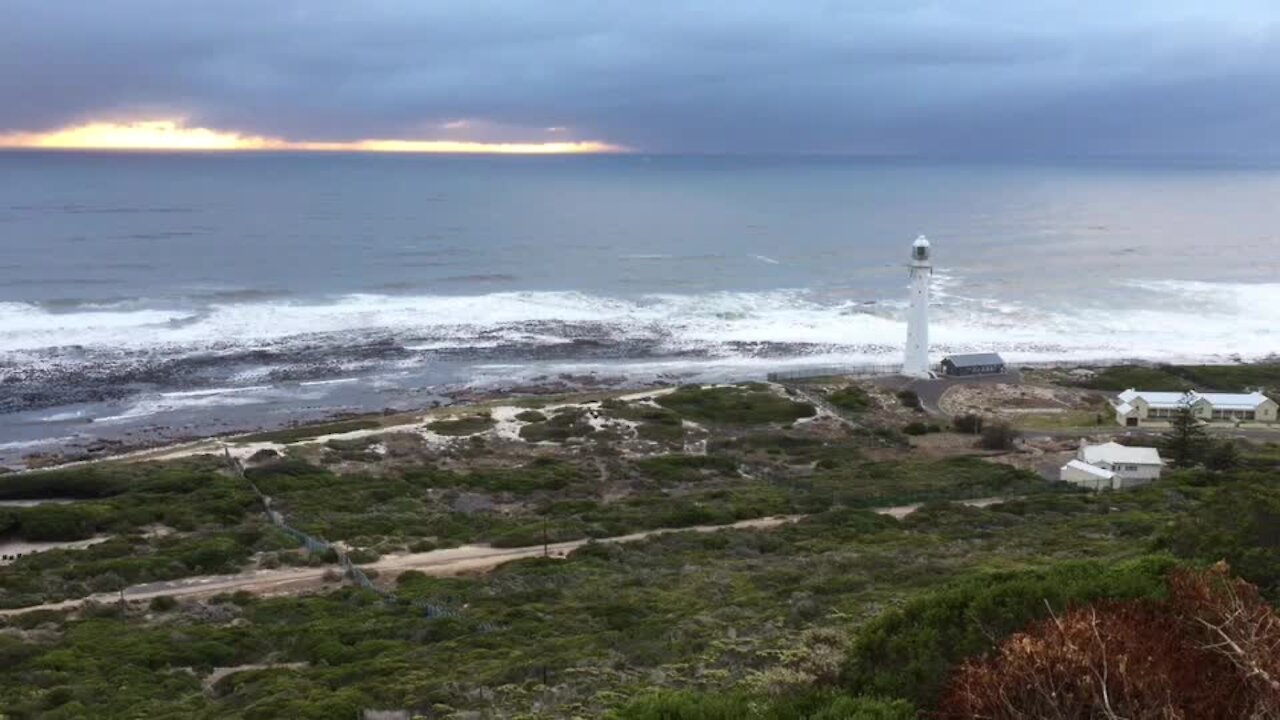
1112, 466
1135, 408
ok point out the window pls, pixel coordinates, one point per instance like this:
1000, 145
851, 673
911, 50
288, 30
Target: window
1131, 468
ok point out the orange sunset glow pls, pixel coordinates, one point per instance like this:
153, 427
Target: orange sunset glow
176, 135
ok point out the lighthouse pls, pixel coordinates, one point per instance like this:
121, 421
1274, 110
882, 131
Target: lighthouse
915, 362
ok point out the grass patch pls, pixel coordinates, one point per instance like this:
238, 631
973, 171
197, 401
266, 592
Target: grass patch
751, 404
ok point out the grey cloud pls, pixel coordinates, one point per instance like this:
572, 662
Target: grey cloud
966, 76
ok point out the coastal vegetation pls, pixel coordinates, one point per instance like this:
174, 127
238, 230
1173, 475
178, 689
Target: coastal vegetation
1174, 378
843, 612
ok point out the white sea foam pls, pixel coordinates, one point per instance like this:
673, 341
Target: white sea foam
1154, 320
31, 444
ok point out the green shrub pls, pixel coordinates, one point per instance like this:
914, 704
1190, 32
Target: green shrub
530, 416
920, 428
1238, 522
998, 436
736, 405
909, 652
687, 468
45, 523
469, 425
162, 603
84, 482
1176, 378
565, 424
851, 398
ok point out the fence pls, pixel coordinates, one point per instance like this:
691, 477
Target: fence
871, 370
833, 371
349, 568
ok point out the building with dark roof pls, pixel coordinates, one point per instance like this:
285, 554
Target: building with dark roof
973, 364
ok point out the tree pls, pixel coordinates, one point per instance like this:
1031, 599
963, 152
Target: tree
1186, 440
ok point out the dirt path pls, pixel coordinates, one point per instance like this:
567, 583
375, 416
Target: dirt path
466, 559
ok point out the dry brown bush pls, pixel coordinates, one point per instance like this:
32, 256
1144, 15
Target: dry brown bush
1209, 652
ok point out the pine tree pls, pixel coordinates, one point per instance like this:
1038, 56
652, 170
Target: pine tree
1186, 441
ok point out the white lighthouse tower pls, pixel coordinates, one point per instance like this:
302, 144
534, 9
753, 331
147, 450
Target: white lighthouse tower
915, 362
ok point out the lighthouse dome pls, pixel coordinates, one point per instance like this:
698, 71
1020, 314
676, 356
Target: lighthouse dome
920, 249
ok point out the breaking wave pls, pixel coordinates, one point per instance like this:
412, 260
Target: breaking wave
1147, 319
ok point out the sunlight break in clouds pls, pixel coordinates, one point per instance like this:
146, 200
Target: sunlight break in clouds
175, 135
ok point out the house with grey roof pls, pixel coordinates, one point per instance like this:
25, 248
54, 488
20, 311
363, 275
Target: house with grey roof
972, 364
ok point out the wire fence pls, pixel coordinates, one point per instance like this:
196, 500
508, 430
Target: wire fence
353, 572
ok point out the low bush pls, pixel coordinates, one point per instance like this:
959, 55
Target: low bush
910, 399
468, 425
851, 398
920, 428
162, 603
736, 405
998, 436
909, 652
687, 468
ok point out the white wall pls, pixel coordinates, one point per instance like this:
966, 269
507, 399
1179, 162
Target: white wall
1083, 479
1141, 473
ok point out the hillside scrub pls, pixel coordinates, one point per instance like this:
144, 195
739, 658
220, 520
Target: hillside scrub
611, 623
750, 404
564, 425
466, 425
1237, 521
1175, 378
851, 398
909, 652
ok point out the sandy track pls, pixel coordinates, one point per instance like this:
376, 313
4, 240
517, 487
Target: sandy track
466, 559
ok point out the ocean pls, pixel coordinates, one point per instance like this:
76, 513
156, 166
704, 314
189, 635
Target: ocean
150, 296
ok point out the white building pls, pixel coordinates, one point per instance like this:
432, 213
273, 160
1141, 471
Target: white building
1079, 472
1112, 465
1135, 408
915, 361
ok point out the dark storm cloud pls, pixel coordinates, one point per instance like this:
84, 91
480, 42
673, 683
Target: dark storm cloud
980, 76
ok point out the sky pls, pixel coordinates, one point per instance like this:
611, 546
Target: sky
959, 77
